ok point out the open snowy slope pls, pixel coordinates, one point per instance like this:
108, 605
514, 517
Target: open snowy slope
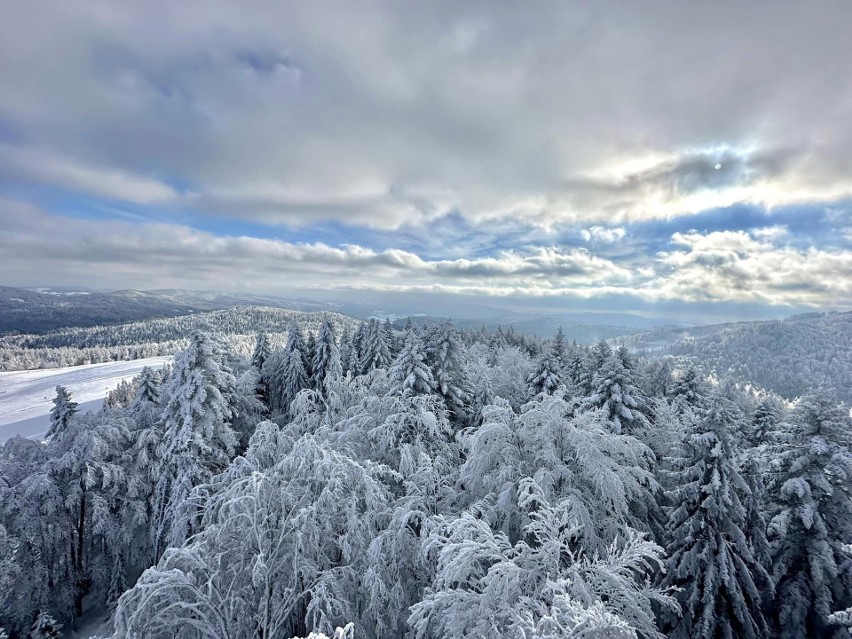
26, 396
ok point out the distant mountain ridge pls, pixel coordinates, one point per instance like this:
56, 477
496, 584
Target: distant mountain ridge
40, 311
44, 309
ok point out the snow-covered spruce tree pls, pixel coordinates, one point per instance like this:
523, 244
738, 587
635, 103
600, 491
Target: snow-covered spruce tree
295, 379
198, 441
122, 395
409, 371
546, 377
710, 557
359, 348
657, 380
62, 412
247, 406
262, 353
446, 357
281, 389
10, 572
598, 354
813, 519
843, 617
326, 366
688, 388
755, 527
392, 339
560, 349
616, 393
310, 349
376, 353
765, 420
576, 367
348, 358
483, 396
282, 548
541, 586
148, 388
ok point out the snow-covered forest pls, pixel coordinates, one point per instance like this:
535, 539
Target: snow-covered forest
359, 481
787, 356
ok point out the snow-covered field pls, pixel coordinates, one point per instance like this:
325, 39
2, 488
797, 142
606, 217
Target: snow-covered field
26, 396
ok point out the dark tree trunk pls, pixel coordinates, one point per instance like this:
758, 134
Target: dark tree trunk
81, 531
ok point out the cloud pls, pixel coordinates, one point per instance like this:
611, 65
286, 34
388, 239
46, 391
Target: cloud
156, 254
389, 114
44, 167
605, 235
724, 266
738, 266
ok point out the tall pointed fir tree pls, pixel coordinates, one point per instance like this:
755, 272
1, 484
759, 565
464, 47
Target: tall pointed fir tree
376, 351
310, 349
658, 378
813, 519
688, 388
149, 387
198, 441
598, 355
546, 377
62, 412
293, 378
710, 558
409, 371
560, 350
754, 503
576, 367
446, 357
766, 418
359, 348
262, 353
326, 361
409, 325
616, 393
391, 339
291, 374
347, 349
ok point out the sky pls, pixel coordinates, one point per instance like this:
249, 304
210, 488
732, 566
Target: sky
687, 159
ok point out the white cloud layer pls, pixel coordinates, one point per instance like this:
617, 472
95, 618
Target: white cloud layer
727, 266
386, 113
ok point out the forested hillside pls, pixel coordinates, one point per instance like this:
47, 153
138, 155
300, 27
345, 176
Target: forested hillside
135, 340
40, 311
788, 356
430, 483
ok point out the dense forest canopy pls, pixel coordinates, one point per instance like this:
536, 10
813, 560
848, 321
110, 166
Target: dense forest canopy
358, 480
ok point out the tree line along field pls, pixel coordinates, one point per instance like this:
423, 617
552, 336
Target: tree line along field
155, 337
430, 483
